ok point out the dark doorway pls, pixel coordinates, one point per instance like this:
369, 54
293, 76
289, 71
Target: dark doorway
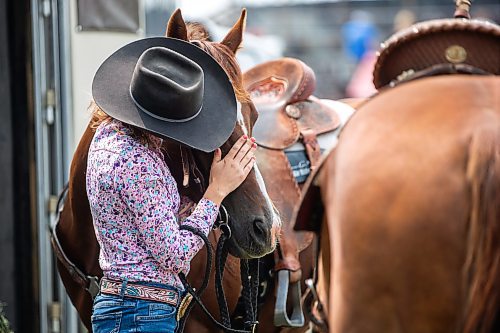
17, 288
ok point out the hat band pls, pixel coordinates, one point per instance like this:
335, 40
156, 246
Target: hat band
182, 120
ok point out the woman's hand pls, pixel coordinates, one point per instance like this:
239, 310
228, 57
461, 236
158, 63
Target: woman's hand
228, 173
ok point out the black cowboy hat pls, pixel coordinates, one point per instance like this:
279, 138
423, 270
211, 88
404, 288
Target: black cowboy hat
169, 87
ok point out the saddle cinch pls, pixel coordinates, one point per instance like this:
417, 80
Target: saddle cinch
288, 115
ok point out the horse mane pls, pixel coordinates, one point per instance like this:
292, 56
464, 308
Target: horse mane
482, 266
223, 55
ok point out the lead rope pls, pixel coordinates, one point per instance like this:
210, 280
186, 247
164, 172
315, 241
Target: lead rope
221, 255
204, 284
223, 224
254, 269
250, 280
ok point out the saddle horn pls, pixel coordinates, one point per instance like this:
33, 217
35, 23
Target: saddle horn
462, 9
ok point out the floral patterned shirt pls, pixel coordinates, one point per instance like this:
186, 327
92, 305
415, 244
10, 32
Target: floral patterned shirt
135, 207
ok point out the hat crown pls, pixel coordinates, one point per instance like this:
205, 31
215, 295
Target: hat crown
167, 85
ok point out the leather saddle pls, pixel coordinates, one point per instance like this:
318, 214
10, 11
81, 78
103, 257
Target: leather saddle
282, 93
435, 47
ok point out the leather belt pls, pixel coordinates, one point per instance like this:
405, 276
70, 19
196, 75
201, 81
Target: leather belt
133, 290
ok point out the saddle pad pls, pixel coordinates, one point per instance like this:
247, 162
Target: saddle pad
444, 41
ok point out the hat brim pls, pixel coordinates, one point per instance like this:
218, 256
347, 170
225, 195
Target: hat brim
206, 132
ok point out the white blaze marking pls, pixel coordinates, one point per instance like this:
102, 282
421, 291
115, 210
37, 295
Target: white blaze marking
241, 120
260, 180
262, 185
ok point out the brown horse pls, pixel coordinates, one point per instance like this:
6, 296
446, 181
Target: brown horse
254, 221
412, 203
293, 127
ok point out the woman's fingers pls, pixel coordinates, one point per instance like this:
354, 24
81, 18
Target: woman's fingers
249, 165
217, 156
236, 147
248, 148
249, 154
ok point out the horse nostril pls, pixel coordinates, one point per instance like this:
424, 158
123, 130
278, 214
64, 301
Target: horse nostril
259, 228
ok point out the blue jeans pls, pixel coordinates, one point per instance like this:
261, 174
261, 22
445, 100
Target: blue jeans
113, 314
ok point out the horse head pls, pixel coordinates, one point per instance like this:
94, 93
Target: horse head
253, 219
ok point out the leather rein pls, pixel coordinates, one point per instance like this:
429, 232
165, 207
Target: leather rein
249, 280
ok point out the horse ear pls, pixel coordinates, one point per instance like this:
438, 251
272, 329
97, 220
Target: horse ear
176, 27
234, 37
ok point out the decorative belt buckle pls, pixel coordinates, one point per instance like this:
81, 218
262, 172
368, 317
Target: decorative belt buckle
186, 300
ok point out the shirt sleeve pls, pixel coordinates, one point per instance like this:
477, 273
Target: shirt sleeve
151, 200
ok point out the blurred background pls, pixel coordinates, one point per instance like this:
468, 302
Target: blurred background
49, 52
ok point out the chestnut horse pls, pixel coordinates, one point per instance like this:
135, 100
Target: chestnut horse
412, 203
254, 220
293, 126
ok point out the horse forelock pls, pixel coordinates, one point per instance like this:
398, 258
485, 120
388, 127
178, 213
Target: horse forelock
196, 31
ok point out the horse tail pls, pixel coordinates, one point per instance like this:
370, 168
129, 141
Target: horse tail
482, 265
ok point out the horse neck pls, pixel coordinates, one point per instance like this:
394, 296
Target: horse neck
177, 161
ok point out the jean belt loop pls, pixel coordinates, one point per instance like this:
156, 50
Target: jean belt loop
124, 288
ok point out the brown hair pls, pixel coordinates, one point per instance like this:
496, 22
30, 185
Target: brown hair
98, 116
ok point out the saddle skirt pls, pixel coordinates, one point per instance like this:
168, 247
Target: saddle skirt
282, 93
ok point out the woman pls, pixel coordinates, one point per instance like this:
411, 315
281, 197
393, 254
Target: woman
152, 90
